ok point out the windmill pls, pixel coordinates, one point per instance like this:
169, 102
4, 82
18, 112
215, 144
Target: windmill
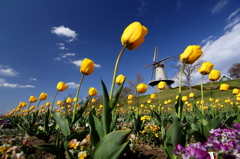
158, 68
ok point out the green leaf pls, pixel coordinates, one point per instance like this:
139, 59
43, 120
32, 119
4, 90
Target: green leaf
157, 117
79, 135
116, 154
110, 143
114, 120
62, 123
177, 136
57, 137
53, 149
79, 113
200, 115
215, 122
115, 99
107, 111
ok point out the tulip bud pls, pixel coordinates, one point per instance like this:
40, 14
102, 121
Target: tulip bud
224, 87
94, 100
87, 67
184, 98
43, 96
191, 95
48, 104
32, 99
152, 96
162, 85
236, 91
61, 86
142, 88
69, 100
130, 97
191, 54
92, 91
59, 103
205, 68
120, 79
214, 75
133, 35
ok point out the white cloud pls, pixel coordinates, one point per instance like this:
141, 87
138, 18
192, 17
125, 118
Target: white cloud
65, 31
72, 85
179, 4
222, 52
61, 46
2, 80
79, 63
15, 85
32, 79
233, 19
219, 6
6, 71
64, 56
142, 9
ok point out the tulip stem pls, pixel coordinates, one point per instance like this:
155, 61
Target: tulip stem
77, 94
180, 90
54, 99
115, 71
202, 94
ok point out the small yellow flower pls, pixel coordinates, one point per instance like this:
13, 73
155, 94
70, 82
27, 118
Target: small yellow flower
48, 104
69, 100
236, 91
82, 154
59, 103
130, 97
184, 98
43, 96
191, 95
224, 87
152, 96
142, 88
162, 85
32, 99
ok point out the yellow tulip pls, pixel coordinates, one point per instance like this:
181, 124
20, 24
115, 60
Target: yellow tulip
162, 85
237, 98
32, 99
48, 104
42, 107
61, 86
184, 98
43, 96
94, 100
130, 97
149, 101
133, 35
130, 102
191, 95
59, 103
211, 99
166, 102
101, 106
24, 104
236, 91
142, 88
191, 54
69, 100
224, 87
169, 101
152, 96
87, 67
120, 79
205, 68
92, 91
217, 100
214, 75
142, 105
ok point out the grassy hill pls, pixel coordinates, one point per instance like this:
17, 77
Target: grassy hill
217, 94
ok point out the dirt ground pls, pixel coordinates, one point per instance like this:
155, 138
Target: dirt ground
144, 152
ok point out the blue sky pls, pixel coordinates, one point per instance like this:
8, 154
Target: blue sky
42, 42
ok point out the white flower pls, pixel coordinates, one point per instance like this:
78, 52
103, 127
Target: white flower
20, 155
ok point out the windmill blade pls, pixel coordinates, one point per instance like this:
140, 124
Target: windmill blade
152, 72
163, 60
155, 56
148, 65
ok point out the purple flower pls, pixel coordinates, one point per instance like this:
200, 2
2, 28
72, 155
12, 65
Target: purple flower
197, 153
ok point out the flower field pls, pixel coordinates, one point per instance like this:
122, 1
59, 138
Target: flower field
173, 123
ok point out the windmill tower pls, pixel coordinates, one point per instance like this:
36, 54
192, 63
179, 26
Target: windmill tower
158, 68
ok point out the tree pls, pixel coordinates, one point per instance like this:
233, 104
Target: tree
234, 70
188, 70
133, 83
